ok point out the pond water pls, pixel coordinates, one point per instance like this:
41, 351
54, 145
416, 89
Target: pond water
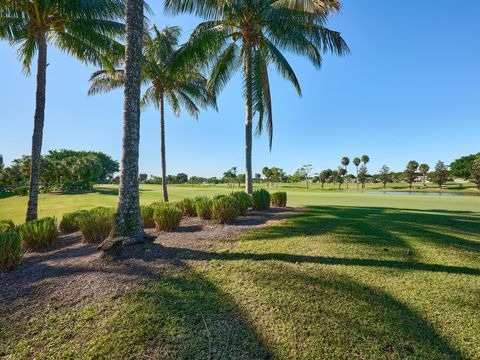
421, 193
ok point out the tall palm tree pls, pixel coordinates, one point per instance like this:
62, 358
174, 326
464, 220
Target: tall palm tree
356, 162
251, 35
168, 77
365, 159
345, 162
85, 29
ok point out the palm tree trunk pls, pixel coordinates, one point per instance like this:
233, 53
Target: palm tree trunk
346, 173
39, 120
248, 120
128, 221
356, 179
162, 147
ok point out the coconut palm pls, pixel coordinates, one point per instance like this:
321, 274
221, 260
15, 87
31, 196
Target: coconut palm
85, 29
345, 162
356, 162
251, 35
168, 77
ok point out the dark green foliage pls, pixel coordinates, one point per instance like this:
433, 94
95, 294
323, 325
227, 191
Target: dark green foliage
96, 224
21, 191
225, 209
6, 225
38, 234
187, 207
278, 199
10, 250
167, 217
261, 199
69, 222
147, 215
203, 207
244, 201
463, 167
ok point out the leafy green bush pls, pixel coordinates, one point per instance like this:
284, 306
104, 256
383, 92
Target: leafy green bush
243, 199
10, 250
187, 207
6, 225
38, 234
225, 209
147, 215
278, 199
96, 224
167, 217
69, 222
261, 199
203, 206
21, 190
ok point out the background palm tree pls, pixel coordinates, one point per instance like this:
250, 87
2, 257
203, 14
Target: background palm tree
365, 160
251, 35
345, 162
356, 162
84, 29
169, 76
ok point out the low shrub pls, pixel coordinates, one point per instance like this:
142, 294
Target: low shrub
38, 234
96, 224
69, 222
21, 190
243, 199
167, 217
6, 225
187, 207
203, 206
225, 209
278, 199
10, 250
261, 199
147, 215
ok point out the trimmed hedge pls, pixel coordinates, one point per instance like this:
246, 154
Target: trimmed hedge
278, 199
6, 225
261, 199
147, 215
10, 250
38, 234
187, 207
69, 222
244, 201
167, 217
225, 209
96, 224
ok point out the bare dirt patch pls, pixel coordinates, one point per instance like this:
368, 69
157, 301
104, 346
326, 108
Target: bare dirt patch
75, 273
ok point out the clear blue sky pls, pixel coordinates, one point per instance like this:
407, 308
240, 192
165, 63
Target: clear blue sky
409, 90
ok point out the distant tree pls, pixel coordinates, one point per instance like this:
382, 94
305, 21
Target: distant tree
440, 174
277, 175
424, 169
324, 176
411, 172
230, 176
181, 178
356, 162
475, 172
462, 167
304, 173
362, 175
142, 178
345, 162
212, 180
258, 178
385, 175
240, 179
365, 160
341, 176
267, 173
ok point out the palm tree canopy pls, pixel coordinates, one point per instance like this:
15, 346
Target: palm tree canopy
86, 29
345, 161
257, 32
357, 161
365, 159
165, 72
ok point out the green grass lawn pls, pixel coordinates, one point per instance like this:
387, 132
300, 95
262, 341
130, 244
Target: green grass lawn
356, 276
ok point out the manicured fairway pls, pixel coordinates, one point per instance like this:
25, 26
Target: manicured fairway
356, 276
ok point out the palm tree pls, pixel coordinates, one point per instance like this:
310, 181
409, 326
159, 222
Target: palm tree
356, 162
345, 162
424, 169
251, 35
168, 76
85, 29
365, 160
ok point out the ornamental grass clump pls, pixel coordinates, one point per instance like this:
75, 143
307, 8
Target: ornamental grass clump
96, 224
69, 222
225, 209
10, 250
203, 207
244, 201
261, 199
6, 225
187, 207
38, 234
147, 215
167, 217
278, 199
